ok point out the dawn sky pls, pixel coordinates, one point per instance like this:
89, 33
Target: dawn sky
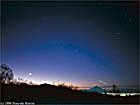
83, 43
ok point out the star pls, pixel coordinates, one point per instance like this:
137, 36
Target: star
118, 33
117, 38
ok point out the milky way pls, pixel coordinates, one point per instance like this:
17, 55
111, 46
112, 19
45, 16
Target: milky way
76, 42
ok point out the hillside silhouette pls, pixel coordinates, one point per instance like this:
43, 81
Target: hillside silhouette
45, 93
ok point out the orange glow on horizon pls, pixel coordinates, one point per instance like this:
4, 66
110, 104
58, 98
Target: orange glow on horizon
79, 85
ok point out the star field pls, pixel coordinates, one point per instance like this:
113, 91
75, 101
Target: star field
83, 43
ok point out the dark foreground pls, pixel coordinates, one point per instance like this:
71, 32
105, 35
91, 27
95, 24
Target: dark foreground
59, 95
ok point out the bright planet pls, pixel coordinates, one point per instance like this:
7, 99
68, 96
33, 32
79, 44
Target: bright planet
30, 74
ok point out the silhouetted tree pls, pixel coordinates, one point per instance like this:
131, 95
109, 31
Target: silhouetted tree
6, 74
31, 83
105, 92
115, 89
70, 86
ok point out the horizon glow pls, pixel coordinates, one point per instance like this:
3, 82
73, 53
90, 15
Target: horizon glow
84, 44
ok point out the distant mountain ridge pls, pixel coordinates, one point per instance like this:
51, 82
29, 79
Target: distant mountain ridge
101, 90
96, 89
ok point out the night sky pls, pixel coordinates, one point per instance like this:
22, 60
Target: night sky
83, 43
